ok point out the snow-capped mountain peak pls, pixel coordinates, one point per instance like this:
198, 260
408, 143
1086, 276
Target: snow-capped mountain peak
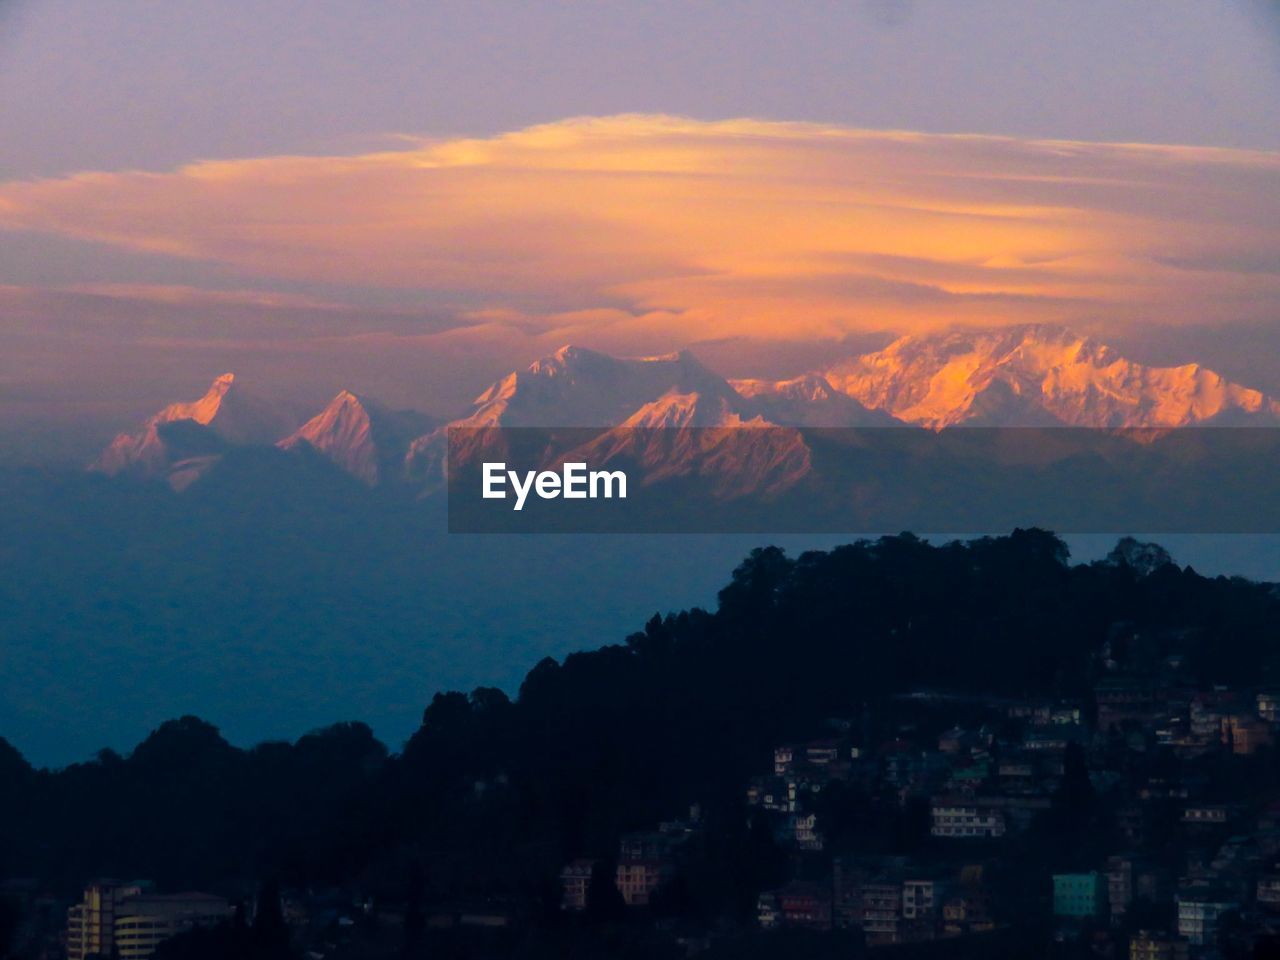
718, 439
227, 413
674, 410
809, 400
1028, 375
577, 387
359, 436
627, 397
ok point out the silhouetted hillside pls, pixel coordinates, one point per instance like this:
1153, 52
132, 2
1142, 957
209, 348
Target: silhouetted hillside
494, 794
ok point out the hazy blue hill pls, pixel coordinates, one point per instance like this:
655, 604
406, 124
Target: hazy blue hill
627, 733
280, 595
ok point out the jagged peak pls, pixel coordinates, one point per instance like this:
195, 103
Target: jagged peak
578, 386
342, 432
232, 414
571, 355
812, 385
344, 406
202, 410
218, 389
347, 399
677, 408
936, 379
565, 356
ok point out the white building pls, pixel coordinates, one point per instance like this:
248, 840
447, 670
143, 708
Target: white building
970, 818
1198, 913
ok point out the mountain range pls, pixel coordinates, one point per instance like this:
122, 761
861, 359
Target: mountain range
1039, 375
1033, 375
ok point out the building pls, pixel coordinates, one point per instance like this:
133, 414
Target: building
1208, 711
767, 914
1269, 705
1148, 945
1268, 892
1133, 879
143, 922
638, 879
772, 793
1045, 712
804, 830
920, 898
127, 921
1245, 733
1207, 815
1199, 909
847, 878
1053, 739
575, 884
647, 860
783, 758
1020, 811
814, 754
1120, 885
970, 818
1079, 894
804, 905
1127, 700
881, 910
821, 753
968, 911
91, 923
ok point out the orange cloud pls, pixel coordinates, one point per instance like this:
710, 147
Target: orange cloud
651, 229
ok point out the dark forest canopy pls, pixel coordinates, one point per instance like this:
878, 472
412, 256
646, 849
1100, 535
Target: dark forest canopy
494, 793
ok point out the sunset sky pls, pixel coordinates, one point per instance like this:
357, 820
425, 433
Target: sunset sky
409, 199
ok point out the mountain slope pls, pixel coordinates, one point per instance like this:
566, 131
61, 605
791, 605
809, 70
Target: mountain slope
578, 388
360, 436
1029, 375
718, 441
809, 401
182, 435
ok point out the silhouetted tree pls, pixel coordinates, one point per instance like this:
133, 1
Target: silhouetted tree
269, 932
415, 920
10, 919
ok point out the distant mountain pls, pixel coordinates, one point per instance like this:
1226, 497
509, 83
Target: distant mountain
575, 387
675, 410
1036, 375
181, 441
722, 449
361, 437
809, 401
583, 401
579, 388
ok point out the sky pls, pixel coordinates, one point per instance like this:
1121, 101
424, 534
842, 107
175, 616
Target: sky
409, 199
